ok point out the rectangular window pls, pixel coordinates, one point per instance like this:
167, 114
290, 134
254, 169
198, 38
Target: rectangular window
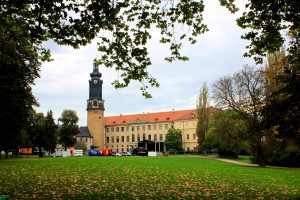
138, 128
117, 129
132, 128
132, 138
160, 126
143, 127
122, 138
138, 138
187, 136
112, 129
166, 126
149, 137
144, 136
122, 128
127, 138
149, 127
127, 128
160, 137
112, 139
155, 137
117, 138
154, 127
107, 130
107, 139
194, 136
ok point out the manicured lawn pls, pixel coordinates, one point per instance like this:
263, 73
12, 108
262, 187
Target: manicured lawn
244, 159
143, 178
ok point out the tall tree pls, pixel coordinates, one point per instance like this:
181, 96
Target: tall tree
19, 67
273, 69
50, 130
243, 92
69, 128
37, 132
203, 114
174, 140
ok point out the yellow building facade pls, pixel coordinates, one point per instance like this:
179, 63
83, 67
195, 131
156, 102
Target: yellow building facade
123, 132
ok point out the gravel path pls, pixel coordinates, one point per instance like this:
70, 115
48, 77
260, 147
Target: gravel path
246, 164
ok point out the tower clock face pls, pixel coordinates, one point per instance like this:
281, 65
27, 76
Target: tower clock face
95, 81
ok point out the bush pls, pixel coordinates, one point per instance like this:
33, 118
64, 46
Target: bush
289, 158
227, 153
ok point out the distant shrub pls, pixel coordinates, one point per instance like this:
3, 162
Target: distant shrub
227, 153
289, 158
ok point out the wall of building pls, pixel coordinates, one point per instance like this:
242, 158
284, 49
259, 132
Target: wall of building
95, 123
88, 141
189, 136
125, 137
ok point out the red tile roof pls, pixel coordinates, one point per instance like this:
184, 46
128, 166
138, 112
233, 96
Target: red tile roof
157, 117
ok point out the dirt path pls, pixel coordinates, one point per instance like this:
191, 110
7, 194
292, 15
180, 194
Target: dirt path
246, 164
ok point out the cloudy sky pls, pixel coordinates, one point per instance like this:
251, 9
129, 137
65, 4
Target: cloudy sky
64, 82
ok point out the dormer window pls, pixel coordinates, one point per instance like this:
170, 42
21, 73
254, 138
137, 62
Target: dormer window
168, 118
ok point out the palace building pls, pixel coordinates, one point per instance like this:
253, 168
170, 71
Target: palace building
123, 132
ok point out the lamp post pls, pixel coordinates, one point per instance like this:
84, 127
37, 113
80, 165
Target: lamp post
183, 137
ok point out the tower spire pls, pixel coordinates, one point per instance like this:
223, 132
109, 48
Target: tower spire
95, 100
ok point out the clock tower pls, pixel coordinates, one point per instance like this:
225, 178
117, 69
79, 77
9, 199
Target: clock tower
95, 108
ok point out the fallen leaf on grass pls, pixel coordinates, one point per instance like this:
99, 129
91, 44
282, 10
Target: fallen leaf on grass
187, 184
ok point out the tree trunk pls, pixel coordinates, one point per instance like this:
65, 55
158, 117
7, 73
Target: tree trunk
260, 154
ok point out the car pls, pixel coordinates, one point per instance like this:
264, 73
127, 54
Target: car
126, 153
118, 154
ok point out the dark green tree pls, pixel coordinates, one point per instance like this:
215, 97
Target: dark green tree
19, 67
174, 140
203, 114
228, 132
50, 131
268, 23
37, 132
280, 113
69, 128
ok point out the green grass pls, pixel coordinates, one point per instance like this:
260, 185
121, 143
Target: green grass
143, 178
243, 158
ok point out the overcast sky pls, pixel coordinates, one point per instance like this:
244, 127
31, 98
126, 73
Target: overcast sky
64, 82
